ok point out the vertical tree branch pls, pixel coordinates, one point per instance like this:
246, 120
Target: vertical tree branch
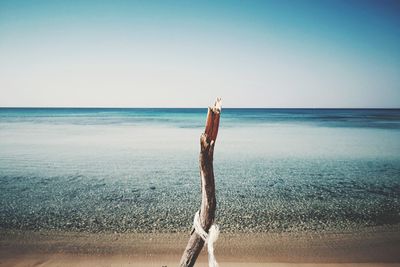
208, 201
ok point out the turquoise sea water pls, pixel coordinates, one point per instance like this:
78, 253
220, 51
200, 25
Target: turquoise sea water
136, 170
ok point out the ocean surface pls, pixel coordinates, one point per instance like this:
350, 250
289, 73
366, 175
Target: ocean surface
136, 170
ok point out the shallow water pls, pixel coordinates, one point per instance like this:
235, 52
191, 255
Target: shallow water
136, 170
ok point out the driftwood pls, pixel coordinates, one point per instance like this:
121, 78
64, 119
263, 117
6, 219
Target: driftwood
208, 201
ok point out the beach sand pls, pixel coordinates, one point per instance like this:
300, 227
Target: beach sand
378, 246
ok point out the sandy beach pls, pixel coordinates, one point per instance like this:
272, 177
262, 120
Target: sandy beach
377, 246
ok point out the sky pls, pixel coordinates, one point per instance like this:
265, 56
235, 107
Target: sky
285, 54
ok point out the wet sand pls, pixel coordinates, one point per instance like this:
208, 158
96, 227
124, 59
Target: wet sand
378, 246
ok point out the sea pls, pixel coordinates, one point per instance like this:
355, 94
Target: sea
135, 170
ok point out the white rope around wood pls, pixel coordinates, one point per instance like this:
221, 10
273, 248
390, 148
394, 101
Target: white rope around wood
209, 238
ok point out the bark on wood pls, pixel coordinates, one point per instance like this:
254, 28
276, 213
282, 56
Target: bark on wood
208, 201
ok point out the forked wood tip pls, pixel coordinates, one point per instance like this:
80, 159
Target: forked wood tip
218, 105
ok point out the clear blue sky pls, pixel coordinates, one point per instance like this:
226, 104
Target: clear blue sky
185, 53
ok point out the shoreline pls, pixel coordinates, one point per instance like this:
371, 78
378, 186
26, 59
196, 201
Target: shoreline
368, 247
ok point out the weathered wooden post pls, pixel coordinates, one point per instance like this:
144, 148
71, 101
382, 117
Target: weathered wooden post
208, 201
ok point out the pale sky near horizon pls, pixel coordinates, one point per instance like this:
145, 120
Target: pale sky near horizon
185, 53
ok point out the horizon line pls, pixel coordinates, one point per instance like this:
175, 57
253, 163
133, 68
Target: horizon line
141, 107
